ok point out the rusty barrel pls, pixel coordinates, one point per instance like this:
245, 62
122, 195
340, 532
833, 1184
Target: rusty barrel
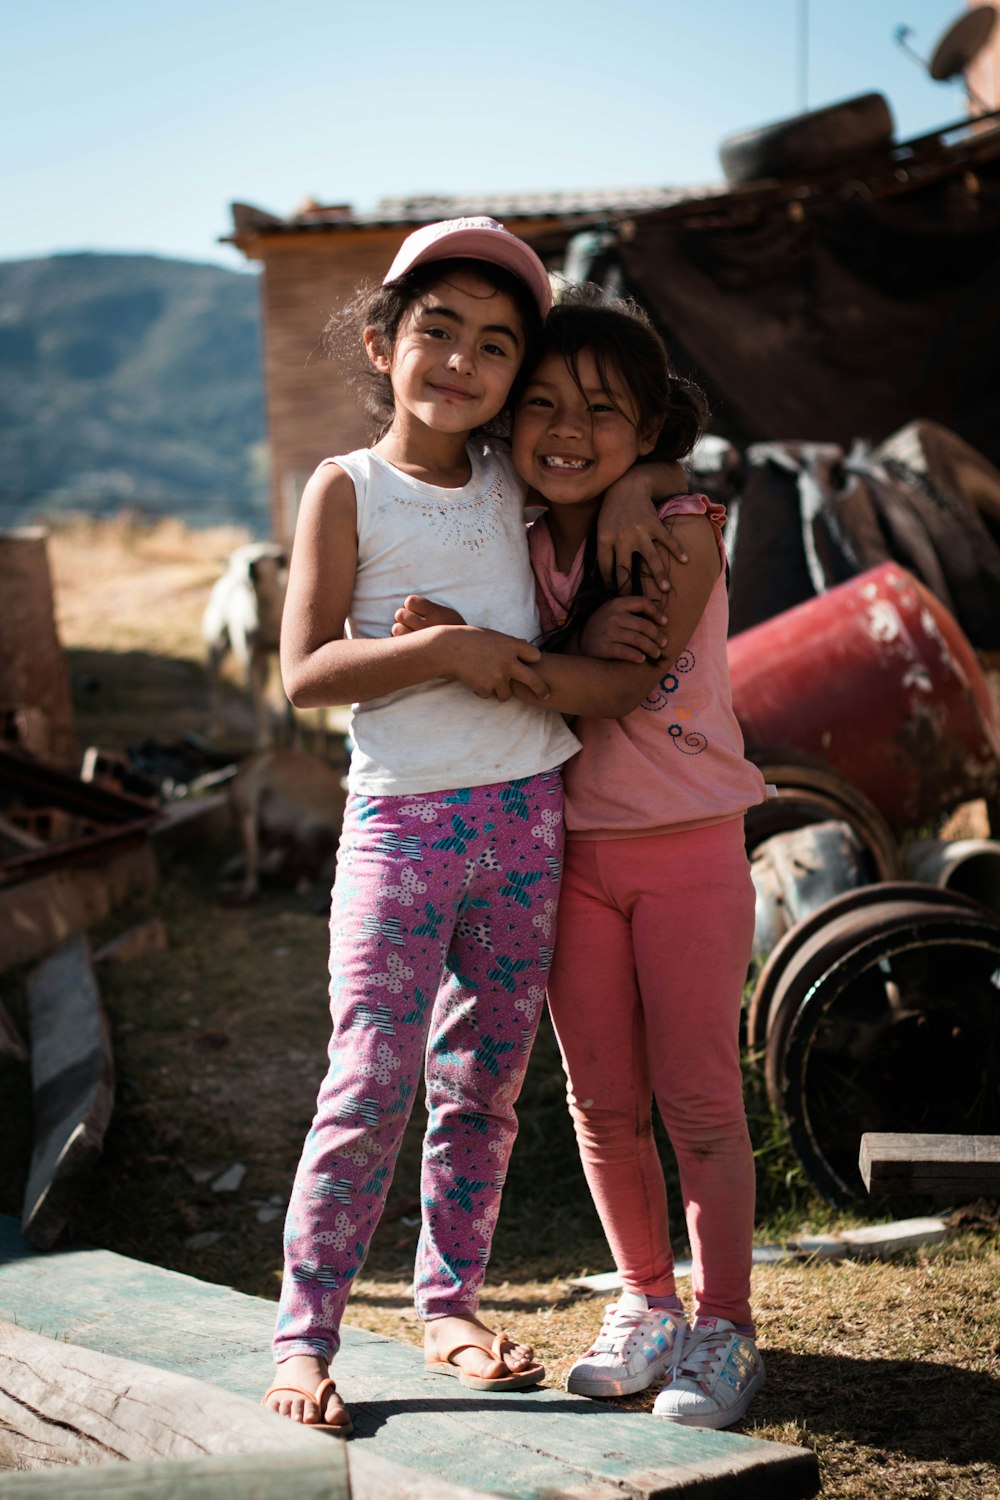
876, 680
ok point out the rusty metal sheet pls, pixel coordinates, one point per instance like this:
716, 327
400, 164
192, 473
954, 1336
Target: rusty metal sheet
63, 821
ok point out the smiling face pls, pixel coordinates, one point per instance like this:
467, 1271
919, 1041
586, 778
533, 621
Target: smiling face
455, 355
574, 438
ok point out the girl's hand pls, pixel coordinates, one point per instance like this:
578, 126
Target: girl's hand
417, 613
488, 662
628, 523
626, 629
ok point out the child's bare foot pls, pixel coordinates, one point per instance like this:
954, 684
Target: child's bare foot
465, 1347
303, 1392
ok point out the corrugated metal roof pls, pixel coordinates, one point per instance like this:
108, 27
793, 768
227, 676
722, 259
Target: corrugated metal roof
583, 202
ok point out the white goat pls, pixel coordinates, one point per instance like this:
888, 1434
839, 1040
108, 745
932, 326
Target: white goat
243, 615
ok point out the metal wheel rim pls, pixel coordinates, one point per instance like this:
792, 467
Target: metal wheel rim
829, 790
788, 945
946, 929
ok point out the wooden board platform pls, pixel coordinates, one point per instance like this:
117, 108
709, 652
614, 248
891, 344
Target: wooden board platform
543, 1443
968, 1165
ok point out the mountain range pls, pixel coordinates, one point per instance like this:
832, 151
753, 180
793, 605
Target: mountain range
131, 381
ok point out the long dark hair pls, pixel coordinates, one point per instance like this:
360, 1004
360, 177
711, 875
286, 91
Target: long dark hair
384, 308
627, 351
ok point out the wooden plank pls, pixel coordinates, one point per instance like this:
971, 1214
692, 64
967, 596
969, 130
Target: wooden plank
871, 1241
67, 1406
938, 1164
301, 1476
518, 1446
290, 1476
60, 1403
72, 1078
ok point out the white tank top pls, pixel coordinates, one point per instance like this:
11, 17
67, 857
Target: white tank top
468, 549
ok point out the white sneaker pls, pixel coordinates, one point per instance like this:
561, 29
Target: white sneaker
715, 1375
635, 1345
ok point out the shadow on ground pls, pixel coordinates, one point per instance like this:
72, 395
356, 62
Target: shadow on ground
926, 1412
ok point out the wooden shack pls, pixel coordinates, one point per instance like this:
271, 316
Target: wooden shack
312, 262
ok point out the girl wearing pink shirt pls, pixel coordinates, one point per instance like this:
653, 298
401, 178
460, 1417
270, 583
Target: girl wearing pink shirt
656, 911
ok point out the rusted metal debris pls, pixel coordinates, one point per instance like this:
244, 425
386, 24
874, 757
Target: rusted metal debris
875, 681
877, 1008
69, 851
36, 711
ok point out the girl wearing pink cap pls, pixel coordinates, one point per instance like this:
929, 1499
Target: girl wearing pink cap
442, 917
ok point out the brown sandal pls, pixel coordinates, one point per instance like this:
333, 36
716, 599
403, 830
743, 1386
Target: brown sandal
343, 1429
521, 1381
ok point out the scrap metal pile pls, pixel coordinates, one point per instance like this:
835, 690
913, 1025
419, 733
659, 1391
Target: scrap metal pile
864, 693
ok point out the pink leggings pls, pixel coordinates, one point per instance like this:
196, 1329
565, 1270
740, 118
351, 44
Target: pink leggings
651, 956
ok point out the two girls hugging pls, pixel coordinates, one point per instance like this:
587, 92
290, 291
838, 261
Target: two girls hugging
492, 857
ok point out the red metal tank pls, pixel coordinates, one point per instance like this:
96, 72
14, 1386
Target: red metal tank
876, 679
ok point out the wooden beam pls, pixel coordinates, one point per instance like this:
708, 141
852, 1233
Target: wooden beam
966, 1165
72, 1079
77, 1409
61, 1404
260, 1477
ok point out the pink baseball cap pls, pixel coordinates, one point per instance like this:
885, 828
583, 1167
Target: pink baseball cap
474, 239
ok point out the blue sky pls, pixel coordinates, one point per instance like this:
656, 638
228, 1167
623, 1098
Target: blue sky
128, 126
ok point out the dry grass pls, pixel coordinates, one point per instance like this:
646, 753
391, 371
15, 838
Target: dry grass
889, 1370
154, 580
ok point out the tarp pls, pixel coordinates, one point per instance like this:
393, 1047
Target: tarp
838, 310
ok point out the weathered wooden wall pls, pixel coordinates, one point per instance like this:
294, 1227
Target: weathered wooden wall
311, 410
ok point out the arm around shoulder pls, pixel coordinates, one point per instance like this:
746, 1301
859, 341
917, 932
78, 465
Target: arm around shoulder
612, 689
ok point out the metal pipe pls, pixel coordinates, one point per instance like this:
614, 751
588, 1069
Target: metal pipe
970, 866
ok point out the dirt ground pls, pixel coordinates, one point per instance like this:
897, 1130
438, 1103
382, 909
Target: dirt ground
890, 1370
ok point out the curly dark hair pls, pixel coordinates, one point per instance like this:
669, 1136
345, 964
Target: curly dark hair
384, 308
628, 351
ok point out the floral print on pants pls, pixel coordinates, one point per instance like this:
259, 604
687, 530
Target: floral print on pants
441, 933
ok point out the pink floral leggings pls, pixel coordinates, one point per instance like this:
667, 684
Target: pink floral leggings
441, 934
